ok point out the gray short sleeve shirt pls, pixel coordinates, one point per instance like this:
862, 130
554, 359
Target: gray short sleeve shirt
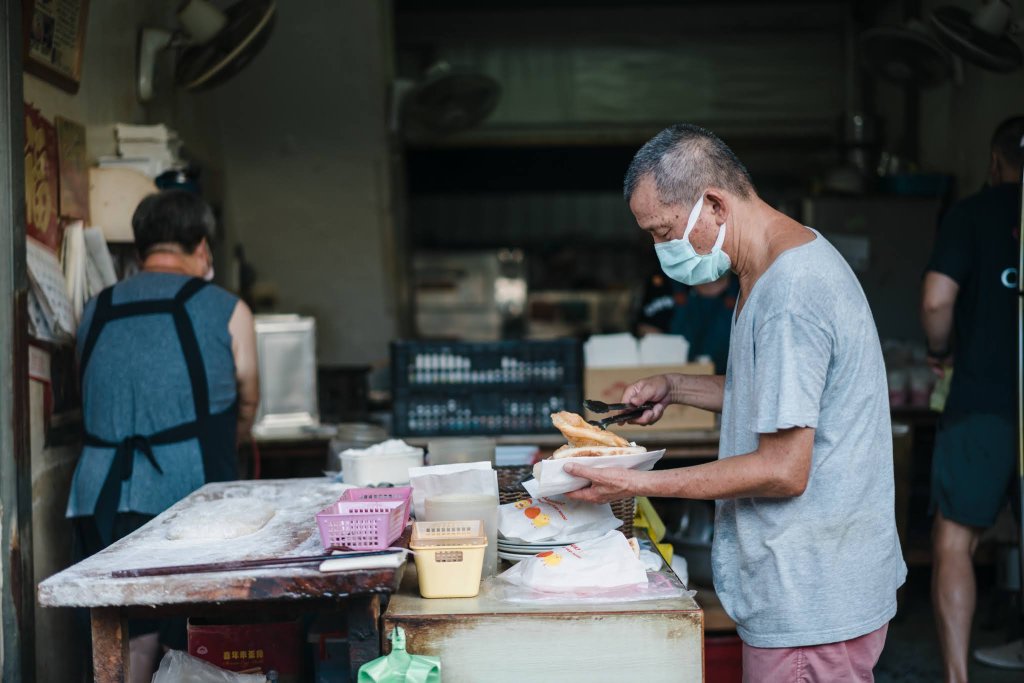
824, 566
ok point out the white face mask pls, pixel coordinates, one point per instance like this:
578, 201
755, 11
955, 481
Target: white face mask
208, 276
682, 263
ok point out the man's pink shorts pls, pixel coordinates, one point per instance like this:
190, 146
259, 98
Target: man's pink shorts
848, 661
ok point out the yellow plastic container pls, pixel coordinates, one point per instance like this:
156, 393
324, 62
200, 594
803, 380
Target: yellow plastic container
449, 557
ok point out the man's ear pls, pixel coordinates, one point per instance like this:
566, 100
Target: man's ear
718, 202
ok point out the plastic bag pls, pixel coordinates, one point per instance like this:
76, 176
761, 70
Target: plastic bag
400, 666
554, 519
180, 667
607, 562
659, 586
459, 477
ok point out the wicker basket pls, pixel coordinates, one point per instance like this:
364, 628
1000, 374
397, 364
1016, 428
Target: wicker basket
510, 489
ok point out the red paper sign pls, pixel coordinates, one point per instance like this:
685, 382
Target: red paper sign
41, 172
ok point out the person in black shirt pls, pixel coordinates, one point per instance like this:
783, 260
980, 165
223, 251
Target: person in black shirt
702, 314
969, 314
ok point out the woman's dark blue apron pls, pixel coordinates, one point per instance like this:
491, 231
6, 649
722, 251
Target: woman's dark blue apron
215, 432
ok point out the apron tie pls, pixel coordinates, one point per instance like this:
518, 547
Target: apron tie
120, 471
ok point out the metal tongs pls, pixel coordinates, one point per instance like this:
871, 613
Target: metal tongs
629, 412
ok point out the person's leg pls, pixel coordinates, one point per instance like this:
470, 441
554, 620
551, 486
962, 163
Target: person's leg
972, 466
953, 592
144, 653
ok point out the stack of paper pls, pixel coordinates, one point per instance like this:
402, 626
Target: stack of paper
148, 149
50, 314
88, 266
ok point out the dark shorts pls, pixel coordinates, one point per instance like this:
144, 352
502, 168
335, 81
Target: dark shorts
974, 468
172, 631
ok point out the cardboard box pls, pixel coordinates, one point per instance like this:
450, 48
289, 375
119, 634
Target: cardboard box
607, 384
249, 648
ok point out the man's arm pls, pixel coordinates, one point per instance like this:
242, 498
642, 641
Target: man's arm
779, 468
701, 391
937, 301
243, 347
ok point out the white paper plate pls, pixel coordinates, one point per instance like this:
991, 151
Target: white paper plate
527, 547
550, 478
513, 558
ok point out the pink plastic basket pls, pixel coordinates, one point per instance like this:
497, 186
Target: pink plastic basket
361, 525
402, 493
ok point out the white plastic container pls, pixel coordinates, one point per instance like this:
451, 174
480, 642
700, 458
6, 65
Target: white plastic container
384, 463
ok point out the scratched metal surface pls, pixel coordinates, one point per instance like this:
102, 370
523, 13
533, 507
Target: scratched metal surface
291, 532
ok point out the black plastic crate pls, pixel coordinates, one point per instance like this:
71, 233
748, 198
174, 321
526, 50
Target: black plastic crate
431, 365
485, 410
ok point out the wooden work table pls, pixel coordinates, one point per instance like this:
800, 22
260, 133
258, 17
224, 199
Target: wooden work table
291, 532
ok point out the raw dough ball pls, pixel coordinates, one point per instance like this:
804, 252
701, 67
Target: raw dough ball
221, 520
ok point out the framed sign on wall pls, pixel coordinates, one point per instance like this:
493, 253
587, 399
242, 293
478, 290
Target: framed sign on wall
54, 40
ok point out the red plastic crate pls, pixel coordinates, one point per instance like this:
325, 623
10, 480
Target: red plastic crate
723, 659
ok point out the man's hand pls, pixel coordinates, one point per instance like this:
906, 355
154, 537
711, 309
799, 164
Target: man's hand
606, 484
656, 390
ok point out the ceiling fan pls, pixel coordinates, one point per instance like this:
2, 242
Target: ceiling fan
212, 45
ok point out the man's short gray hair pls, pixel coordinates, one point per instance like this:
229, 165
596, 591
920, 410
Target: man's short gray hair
686, 160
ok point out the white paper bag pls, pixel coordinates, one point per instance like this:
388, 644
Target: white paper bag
555, 519
606, 562
550, 478
459, 477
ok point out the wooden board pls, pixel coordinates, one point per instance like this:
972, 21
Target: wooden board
290, 532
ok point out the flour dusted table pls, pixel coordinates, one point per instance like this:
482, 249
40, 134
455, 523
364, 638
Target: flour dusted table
290, 532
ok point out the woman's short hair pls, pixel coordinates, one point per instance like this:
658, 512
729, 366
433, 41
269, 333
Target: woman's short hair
172, 217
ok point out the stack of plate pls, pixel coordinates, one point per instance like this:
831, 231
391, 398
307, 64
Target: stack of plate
514, 551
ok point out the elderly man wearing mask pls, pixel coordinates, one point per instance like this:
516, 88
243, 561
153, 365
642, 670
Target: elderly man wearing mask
806, 557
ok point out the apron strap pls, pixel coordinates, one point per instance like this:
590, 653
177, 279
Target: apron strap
190, 347
99, 319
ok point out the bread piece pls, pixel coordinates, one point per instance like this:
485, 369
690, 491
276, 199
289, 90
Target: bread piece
578, 432
595, 451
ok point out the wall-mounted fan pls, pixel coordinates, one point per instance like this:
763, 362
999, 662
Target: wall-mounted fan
982, 38
907, 55
446, 100
913, 55
212, 45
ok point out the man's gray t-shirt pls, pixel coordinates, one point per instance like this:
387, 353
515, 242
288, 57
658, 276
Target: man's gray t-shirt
824, 566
